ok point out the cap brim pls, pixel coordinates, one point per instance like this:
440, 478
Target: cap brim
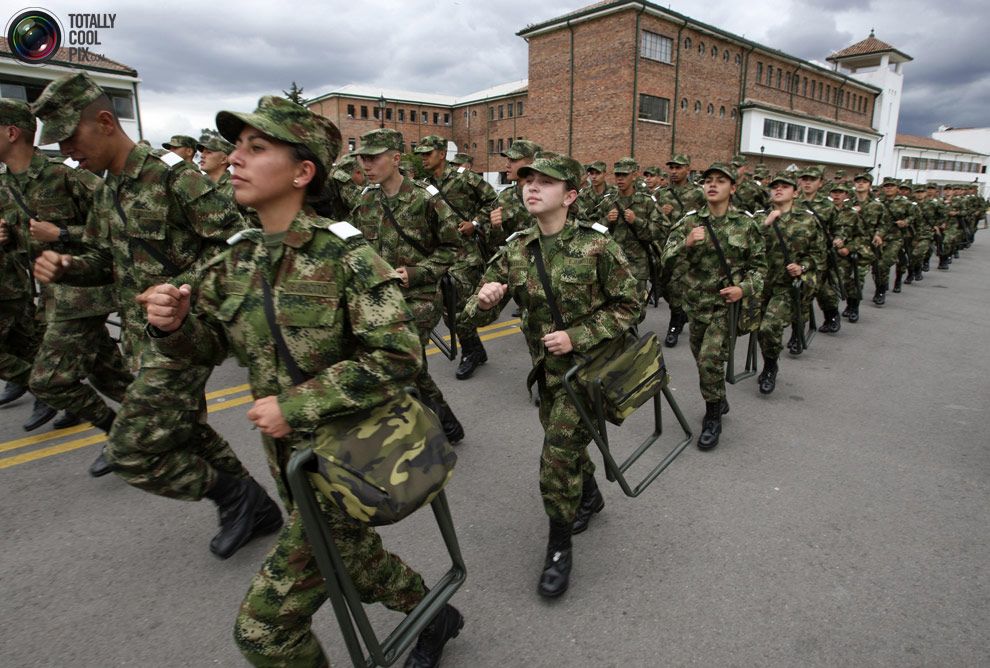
230, 124
552, 173
52, 133
424, 149
790, 183
368, 150
512, 155
705, 174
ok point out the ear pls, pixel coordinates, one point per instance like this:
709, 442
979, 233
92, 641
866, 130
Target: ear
106, 122
304, 173
570, 197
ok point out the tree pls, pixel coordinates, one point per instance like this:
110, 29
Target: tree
206, 133
295, 94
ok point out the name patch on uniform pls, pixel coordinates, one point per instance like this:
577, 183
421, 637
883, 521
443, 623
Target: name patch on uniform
598, 227
236, 238
513, 236
432, 190
310, 288
345, 230
70, 163
460, 170
170, 159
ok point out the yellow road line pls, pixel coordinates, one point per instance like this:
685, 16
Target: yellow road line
7, 462
41, 438
229, 390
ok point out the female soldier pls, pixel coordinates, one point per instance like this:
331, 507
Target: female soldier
597, 297
345, 323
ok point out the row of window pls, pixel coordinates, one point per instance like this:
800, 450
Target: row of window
123, 102
652, 108
498, 145
655, 46
503, 110
816, 136
942, 165
414, 117
813, 89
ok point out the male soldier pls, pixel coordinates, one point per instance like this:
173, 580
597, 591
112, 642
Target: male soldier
923, 235
852, 244
413, 229
634, 221
464, 160
652, 177
349, 179
510, 214
839, 177
467, 195
594, 199
154, 219
934, 212
820, 206
676, 200
898, 233
46, 206
707, 291
183, 146
794, 254
749, 196
213, 155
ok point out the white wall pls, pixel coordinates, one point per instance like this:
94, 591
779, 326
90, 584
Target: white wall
752, 139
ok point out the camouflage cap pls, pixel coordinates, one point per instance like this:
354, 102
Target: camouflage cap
215, 144
180, 141
431, 143
931, 186
283, 120
547, 154
863, 176
839, 174
625, 166
461, 159
738, 160
61, 104
597, 165
722, 168
559, 167
841, 187
907, 183
783, 177
331, 136
376, 142
18, 114
521, 148
919, 187
890, 181
761, 171
811, 172
652, 170
679, 159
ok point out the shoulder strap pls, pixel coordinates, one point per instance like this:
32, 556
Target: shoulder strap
152, 250
541, 270
726, 268
783, 244
19, 198
398, 228
295, 373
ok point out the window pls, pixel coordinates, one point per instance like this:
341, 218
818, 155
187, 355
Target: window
402, 115
122, 105
412, 115
759, 72
364, 111
905, 163
501, 145
474, 113
491, 146
774, 129
684, 103
474, 144
769, 75
519, 108
833, 139
388, 114
828, 93
350, 111
848, 143
711, 109
788, 79
697, 106
510, 108
491, 113
725, 55
795, 132
738, 59
501, 111
779, 72
714, 52
446, 119
701, 48
436, 118
653, 108
687, 42
655, 47
375, 111
426, 117
804, 91
863, 146
816, 136
732, 114
721, 112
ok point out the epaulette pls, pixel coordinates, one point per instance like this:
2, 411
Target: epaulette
598, 227
169, 158
370, 186
70, 163
244, 235
747, 212
689, 213
460, 170
428, 187
344, 230
513, 235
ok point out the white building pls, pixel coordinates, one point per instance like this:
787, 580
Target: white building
20, 81
974, 139
926, 160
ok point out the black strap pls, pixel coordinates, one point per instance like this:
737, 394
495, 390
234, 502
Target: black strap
726, 268
295, 373
541, 270
398, 228
20, 202
170, 267
783, 244
19, 198
480, 238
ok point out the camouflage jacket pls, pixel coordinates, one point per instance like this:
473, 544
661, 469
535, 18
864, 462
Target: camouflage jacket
515, 217
698, 270
922, 230
425, 218
225, 186
852, 230
750, 196
15, 272
468, 195
683, 198
594, 287
54, 192
634, 237
148, 213
805, 246
873, 214
898, 208
337, 304
591, 206
823, 212
934, 212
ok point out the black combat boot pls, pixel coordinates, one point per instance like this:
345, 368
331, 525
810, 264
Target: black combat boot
711, 426
853, 310
768, 379
831, 324
101, 466
12, 392
451, 425
446, 625
557, 567
68, 419
677, 320
909, 279
897, 281
943, 263
925, 266
845, 311
918, 275
245, 511
955, 254
591, 503
41, 414
472, 357
880, 298
794, 345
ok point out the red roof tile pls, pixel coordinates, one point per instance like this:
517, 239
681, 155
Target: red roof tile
62, 58
869, 45
929, 143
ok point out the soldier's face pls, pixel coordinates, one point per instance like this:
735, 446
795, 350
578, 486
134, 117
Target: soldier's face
357, 177
781, 192
432, 159
512, 167
809, 184
718, 188
378, 168
652, 180
678, 173
625, 182
88, 146
889, 190
542, 194
264, 170
596, 178
662, 181
862, 186
838, 198
212, 160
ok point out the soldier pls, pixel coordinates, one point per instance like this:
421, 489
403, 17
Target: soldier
852, 244
464, 160
510, 214
213, 155
749, 196
820, 206
348, 178
48, 203
839, 177
468, 196
652, 176
595, 299
594, 198
923, 235
676, 201
691, 253
635, 222
154, 219
413, 229
794, 255
183, 146
279, 164
899, 215
933, 211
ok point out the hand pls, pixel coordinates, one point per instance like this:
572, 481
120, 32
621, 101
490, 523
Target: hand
793, 270
901, 223
49, 266
267, 416
838, 243
404, 275
42, 230
667, 208
843, 252
466, 228
697, 235
558, 343
167, 305
733, 293
613, 215
4, 232
496, 217
629, 216
774, 215
877, 240
490, 295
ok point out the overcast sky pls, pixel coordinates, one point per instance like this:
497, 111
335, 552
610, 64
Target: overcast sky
198, 57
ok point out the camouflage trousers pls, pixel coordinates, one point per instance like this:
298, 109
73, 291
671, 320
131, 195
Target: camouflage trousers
564, 461
778, 314
853, 285
466, 278
160, 441
710, 347
76, 350
888, 258
826, 294
19, 340
273, 627
426, 314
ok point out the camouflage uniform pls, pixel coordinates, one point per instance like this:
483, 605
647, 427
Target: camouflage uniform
76, 344
515, 217
19, 336
896, 208
934, 212
344, 321
592, 206
636, 239
823, 212
856, 236
342, 179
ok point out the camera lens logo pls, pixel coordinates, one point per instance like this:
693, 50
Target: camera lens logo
34, 36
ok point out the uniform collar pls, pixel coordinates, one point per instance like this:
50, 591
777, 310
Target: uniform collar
135, 162
38, 162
